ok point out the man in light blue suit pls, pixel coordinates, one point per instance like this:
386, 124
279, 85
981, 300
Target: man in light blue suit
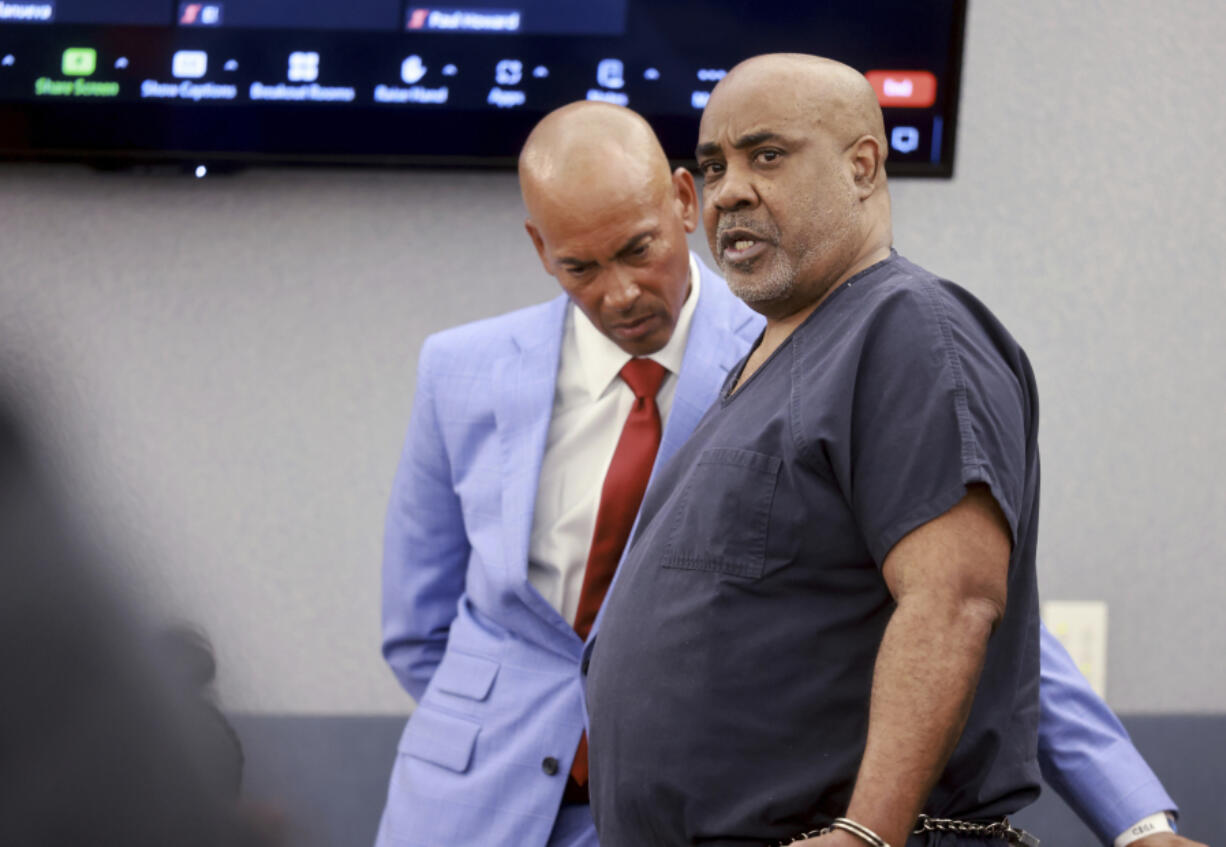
494, 502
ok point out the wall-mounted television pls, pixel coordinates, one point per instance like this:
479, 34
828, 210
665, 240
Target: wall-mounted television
393, 82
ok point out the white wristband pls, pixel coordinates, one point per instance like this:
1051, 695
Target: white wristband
1158, 822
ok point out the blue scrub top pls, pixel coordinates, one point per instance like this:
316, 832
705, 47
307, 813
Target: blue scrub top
729, 686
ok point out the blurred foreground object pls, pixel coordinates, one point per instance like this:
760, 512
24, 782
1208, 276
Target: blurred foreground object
100, 743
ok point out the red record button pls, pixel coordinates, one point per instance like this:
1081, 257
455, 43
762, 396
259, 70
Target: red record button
908, 89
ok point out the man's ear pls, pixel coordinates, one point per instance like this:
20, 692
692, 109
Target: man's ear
867, 157
538, 243
685, 196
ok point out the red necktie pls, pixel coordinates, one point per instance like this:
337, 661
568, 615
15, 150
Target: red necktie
620, 497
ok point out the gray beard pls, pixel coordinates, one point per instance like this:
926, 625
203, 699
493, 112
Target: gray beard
777, 284
779, 279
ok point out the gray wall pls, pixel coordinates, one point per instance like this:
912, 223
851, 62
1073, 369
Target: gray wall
228, 364
328, 776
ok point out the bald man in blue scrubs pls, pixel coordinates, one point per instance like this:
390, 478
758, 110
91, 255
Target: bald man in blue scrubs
826, 630
485, 547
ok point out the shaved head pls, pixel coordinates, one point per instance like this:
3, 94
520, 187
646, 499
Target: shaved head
609, 220
793, 149
837, 97
580, 155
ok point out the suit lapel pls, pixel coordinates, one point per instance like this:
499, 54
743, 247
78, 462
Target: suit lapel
524, 383
712, 349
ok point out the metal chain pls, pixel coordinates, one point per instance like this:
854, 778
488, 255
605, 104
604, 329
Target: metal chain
996, 829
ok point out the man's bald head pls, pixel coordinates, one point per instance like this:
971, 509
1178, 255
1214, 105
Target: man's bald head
582, 153
793, 149
836, 96
609, 220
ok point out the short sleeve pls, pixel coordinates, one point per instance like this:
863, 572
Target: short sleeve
938, 405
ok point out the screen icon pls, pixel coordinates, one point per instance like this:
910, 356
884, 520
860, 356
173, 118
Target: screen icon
8, 61
189, 64
651, 74
231, 65
199, 14
509, 72
609, 73
412, 70
79, 61
450, 70
540, 72
904, 89
417, 18
905, 139
121, 62
303, 66
897, 88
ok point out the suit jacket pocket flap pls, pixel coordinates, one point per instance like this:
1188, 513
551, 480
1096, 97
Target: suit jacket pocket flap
465, 676
440, 738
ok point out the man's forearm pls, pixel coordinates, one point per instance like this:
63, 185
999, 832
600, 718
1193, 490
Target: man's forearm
924, 682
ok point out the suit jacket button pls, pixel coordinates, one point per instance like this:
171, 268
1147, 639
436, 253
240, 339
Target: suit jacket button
550, 765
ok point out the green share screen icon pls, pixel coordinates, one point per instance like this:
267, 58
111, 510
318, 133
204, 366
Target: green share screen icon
80, 61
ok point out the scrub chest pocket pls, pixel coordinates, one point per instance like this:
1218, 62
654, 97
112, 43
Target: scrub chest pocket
722, 515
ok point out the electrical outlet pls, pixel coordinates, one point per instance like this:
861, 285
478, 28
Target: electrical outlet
1082, 629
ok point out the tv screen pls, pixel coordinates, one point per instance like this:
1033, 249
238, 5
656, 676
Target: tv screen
411, 82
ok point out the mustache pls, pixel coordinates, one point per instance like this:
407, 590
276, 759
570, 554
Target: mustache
733, 220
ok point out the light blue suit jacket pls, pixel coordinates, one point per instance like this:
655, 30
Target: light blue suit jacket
495, 668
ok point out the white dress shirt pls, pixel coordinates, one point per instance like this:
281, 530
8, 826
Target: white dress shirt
590, 406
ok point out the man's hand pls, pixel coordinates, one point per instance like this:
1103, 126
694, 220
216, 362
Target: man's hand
1158, 839
839, 838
